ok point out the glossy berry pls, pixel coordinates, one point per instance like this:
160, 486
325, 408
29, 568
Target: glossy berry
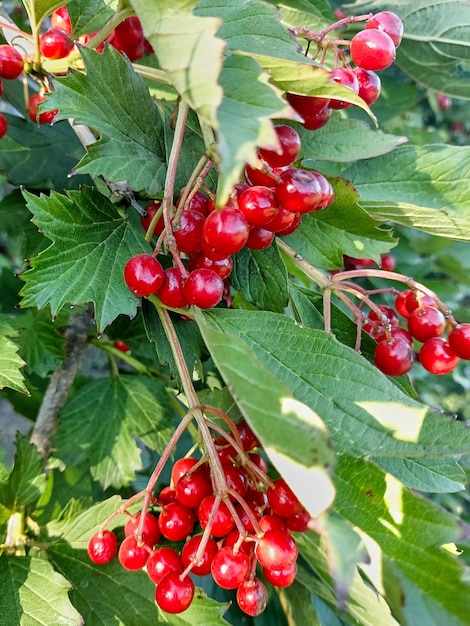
171, 291
150, 533
417, 299
388, 262
289, 147
426, 322
248, 438
3, 125
222, 267
191, 489
389, 23
55, 44
143, 275
369, 85
302, 191
459, 341
121, 346
131, 554
299, 521
146, 219
252, 597
272, 522
102, 547
346, 78
258, 204
176, 521
276, 549
46, 117
307, 106
283, 220
317, 120
259, 238
202, 567
372, 49
182, 467
161, 562
11, 62
224, 233
60, 18
282, 499
437, 357
388, 315
284, 576
292, 227
263, 174
223, 522
174, 595
203, 288
230, 569
188, 232
128, 38
393, 357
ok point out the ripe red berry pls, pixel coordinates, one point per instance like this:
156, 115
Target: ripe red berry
299, 521
346, 78
258, 204
128, 37
143, 274
224, 233
47, 117
426, 322
182, 467
372, 49
282, 577
132, 555
146, 219
3, 125
189, 231
191, 489
272, 522
171, 290
388, 262
121, 346
176, 521
289, 147
246, 434
259, 238
174, 595
437, 357
102, 547
315, 111
283, 220
223, 522
222, 267
393, 357
369, 85
11, 62
276, 549
459, 341
188, 554
230, 569
317, 120
389, 23
282, 499
203, 288
302, 191
150, 534
252, 597
161, 562
263, 175
60, 18
417, 299
388, 315
55, 44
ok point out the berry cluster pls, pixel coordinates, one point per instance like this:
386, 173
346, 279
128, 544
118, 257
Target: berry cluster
371, 50
191, 531
11, 66
270, 201
426, 324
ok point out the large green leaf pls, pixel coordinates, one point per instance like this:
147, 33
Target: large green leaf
436, 41
41, 343
101, 422
366, 414
85, 262
115, 101
293, 436
409, 530
88, 16
187, 49
418, 186
10, 366
342, 228
33, 594
316, 15
27, 479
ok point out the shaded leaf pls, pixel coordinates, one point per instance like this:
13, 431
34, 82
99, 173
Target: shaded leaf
317, 15
41, 344
27, 479
10, 366
297, 604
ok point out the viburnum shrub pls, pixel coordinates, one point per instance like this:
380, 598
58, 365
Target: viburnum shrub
234, 313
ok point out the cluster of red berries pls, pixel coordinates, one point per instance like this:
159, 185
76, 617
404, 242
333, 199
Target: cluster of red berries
426, 324
223, 537
271, 201
11, 66
371, 50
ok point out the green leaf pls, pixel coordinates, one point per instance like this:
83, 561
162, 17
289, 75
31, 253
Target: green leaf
418, 186
33, 594
202, 610
317, 15
10, 366
88, 16
429, 475
345, 140
27, 479
292, 435
342, 228
101, 422
85, 262
297, 604
436, 42
410, 531
262, 277
366, 414
105, 594
41, 344
38, 10
39, 156
244, 118
187, 50
130, 147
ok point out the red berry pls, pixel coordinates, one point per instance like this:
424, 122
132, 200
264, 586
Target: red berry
426, 322
417, 299
143, 274
459, 341
259, 238
444, 102
437, 356
276, 549
289, 144
372, 49
222, 267
307, 105
150, 533
389, 23
128, 37
203, 566
223, 522
282, 499
166, 495
347, 78
299, 521
171, 290
55, 44
47, 117
272, 522
393, 357
230, 569
302, 191
248, 437
102, 547
252, 597
388, 262
176, 521
191, 489
203, 288
369, 85
132, 555
258, 204
182, 467
263, 175
121, 346
283, 220
282, 577
3, 125
146, 219
317, 120
224, 233
174, 595
163, 561
236, 479
11, 62
189, 231
388, 315
60, 18
200, 203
